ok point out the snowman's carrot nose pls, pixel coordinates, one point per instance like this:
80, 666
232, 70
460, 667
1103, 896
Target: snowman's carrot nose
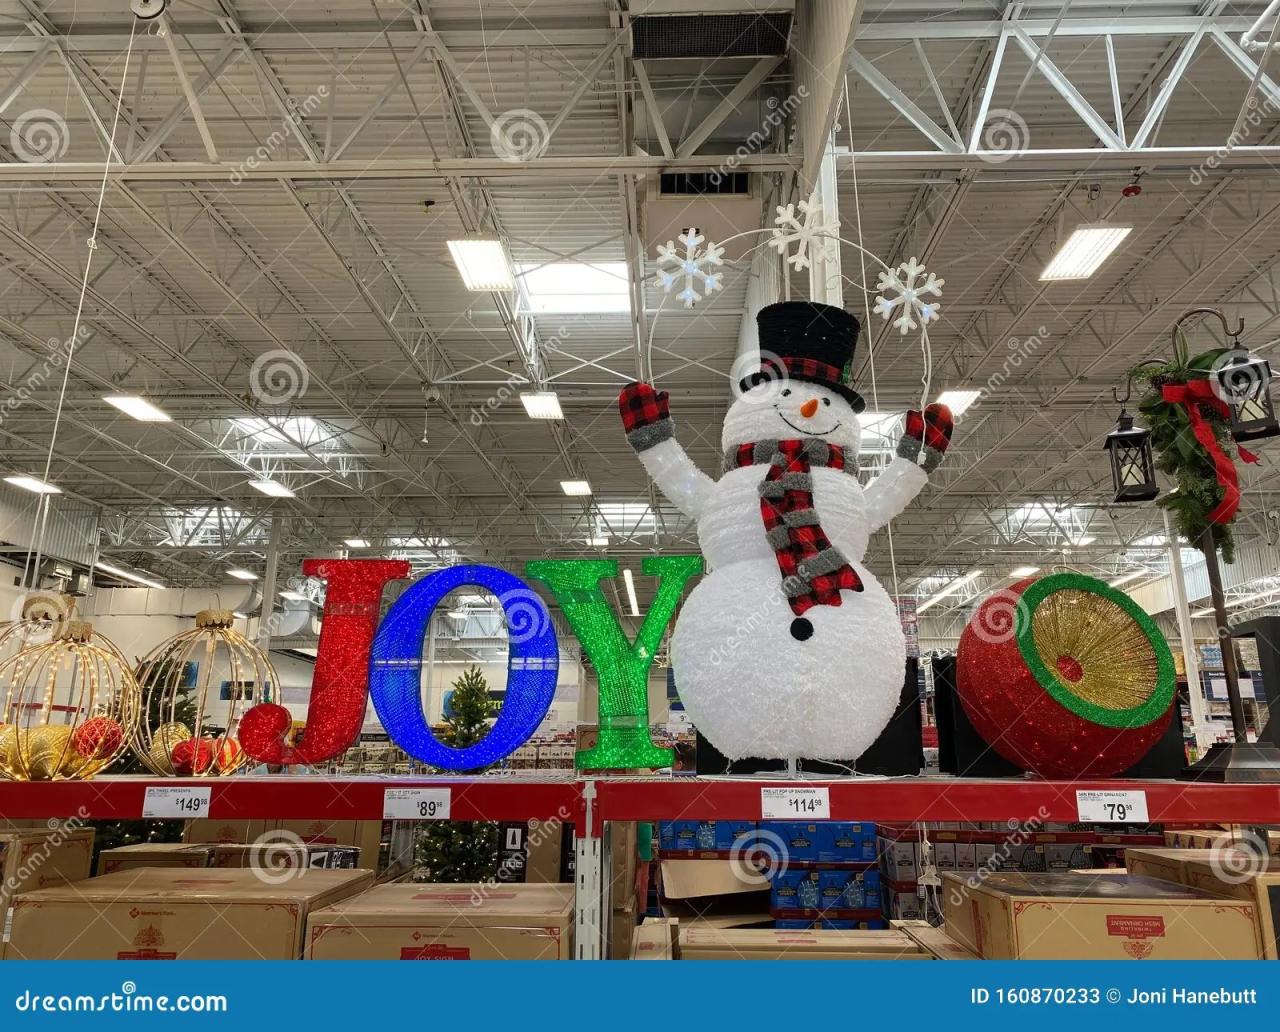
809, 408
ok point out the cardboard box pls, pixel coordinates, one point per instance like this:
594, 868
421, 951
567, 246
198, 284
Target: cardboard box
1011, 916
42, 857
365, 834
1166, 864
151, 913
446, 922
206, 830
154, 854
904, 905
686, 879
934, 941
283, 856
1206, 872
705, 943
900, 859
622, 857
655, 939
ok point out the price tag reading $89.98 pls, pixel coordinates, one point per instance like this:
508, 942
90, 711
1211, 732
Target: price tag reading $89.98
416, 804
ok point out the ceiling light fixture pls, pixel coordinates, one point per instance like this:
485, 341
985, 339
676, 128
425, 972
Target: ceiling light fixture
1023, 571
1084, 251
631, 592
575, 488
242, 574
482, 263
958, 400
137, 578
273, 488
598, 542
139, 408
355, 542
294, 596
950, 589
578, 287
542, 404
1127, 578
32, 484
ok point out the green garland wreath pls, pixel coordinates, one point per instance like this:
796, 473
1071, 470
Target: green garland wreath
1177, 452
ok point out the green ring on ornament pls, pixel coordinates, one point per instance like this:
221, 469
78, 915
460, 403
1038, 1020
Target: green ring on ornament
1156, 704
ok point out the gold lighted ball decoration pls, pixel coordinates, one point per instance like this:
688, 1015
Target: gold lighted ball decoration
70, 705
195, 687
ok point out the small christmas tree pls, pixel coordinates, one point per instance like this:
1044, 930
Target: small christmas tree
461, 851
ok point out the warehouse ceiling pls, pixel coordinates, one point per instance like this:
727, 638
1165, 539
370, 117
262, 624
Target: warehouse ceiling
270, 264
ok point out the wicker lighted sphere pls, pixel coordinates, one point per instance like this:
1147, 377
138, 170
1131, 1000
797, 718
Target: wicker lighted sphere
70, 706
193, 698
37, 616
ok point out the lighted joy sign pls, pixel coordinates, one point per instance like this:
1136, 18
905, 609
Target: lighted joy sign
357, 657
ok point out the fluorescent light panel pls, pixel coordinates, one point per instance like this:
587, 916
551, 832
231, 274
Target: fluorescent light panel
137, 578
1023, 571
355, 542
293, 596
598, 542
542, 404
242, 574
483, 264
1127, 578
137, 407
1084, 251
631, 592
32, 484
575, 488
273, 488
564, 287
958, 400
950, 589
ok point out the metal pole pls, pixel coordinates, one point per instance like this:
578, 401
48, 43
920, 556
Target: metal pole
265, 623
1229, 666
825, 282
1191, 661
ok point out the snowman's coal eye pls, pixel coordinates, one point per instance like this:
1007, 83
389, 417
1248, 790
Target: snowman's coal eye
826, 401
787, 393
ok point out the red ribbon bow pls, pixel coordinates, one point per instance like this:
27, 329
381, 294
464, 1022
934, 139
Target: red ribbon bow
1193, 395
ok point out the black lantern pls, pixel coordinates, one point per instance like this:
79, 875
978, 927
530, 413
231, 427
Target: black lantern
1133, 471
1244, 383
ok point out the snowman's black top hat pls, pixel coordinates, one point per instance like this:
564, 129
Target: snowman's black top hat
813, 342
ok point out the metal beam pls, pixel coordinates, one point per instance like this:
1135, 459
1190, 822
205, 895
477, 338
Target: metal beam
904, 105
746, 86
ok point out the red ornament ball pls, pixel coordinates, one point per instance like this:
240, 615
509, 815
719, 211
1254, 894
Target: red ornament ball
1065, 676
194, 756
97, 738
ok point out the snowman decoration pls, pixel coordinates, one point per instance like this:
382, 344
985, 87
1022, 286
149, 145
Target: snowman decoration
789, 648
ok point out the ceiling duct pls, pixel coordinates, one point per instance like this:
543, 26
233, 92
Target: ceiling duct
710, 35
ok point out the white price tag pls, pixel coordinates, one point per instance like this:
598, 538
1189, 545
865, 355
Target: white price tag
416, 804
1105, 807
178, 801
789, 804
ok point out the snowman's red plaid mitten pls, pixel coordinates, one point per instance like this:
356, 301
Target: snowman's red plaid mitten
646, 416
926, 436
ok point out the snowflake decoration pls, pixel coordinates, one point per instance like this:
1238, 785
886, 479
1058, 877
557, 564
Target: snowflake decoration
694, 266
808, 233
908, 291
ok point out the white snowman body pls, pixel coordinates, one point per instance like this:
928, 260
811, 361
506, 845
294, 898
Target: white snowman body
748, 684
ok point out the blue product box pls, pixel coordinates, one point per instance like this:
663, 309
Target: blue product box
729, 832
793, 924
690, 836
800, 838
796, 890
846, 841
850, 890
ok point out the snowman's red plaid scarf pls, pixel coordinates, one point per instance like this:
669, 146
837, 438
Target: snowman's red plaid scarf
814, 571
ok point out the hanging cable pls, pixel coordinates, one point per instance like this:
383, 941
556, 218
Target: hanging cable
866, 308
42, 518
